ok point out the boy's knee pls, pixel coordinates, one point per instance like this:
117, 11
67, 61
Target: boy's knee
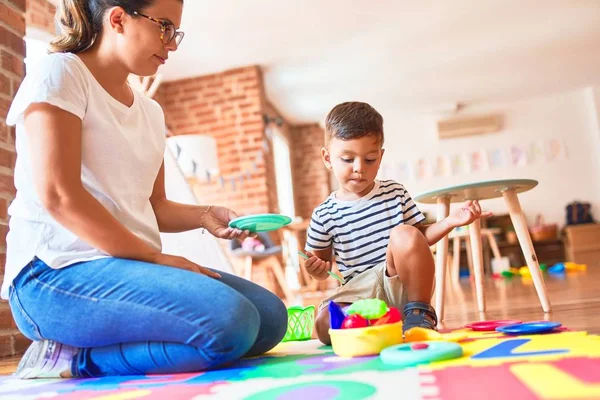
406, 237
322, 327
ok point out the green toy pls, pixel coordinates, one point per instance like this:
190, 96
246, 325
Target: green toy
507, 274
260, 222
368, 308
301, 321
543, 267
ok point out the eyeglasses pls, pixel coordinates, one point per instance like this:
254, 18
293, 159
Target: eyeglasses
167, 30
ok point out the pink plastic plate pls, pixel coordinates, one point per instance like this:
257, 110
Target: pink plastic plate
490, 325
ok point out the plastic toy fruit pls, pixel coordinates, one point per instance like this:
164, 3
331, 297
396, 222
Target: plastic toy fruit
354, 321
368, 308
393, 315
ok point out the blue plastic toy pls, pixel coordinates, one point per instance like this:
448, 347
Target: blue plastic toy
336, 315
557, 269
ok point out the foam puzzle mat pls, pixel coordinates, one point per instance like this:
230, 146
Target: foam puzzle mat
561, 365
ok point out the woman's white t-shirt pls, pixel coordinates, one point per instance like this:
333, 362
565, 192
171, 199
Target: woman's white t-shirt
122, 151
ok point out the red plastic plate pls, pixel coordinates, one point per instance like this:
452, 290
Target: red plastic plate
490, 325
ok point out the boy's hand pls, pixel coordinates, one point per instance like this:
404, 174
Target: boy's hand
469, 212
316, 267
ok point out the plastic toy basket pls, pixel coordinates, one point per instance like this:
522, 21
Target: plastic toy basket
301, 321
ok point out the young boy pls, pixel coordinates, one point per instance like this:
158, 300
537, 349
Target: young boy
374, 228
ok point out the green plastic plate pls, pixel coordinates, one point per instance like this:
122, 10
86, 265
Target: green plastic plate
260, 222
415, 353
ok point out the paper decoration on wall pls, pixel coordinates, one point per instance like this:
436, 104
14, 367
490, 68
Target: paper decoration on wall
479, 161
555, 150
498, 159
260, 157
461, 164
436, 166
442, 166
405, 172
401, 171
518, 156
423, 169
269, 133
196, 155
537, 152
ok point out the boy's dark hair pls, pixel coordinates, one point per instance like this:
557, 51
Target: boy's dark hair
353, 120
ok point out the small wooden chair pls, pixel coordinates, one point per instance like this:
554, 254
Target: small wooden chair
269, 258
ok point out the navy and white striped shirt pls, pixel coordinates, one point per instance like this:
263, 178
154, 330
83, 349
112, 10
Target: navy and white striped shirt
359, 230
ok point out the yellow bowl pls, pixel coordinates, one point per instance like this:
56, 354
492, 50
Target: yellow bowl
365, 341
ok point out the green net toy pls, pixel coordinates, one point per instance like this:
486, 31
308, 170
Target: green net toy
301, 321
368, 308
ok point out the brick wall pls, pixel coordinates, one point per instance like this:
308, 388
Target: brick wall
311, 178
228, 106
12, 53
40, 14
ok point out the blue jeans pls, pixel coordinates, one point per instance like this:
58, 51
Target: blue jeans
130, 317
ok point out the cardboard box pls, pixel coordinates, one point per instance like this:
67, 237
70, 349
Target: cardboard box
582, 244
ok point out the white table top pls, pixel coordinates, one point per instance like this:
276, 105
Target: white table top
477, 190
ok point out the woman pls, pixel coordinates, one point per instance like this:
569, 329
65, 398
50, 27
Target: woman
85, 276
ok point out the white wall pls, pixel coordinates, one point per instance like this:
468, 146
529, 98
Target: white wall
571, 116
593, 94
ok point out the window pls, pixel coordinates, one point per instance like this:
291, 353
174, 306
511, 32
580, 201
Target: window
283, 174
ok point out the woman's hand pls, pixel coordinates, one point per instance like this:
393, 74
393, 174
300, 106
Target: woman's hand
216, 221
182, 263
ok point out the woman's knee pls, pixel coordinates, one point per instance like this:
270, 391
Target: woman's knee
278, 320
274, 322
234, 326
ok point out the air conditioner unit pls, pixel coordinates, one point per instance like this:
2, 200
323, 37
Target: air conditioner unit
469, 125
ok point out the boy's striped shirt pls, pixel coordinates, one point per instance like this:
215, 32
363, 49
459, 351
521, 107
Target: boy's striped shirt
359, 230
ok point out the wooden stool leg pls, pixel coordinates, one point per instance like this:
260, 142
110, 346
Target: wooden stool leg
236, 269
443, 210
494, 245
520, 224
456, 260
477, 253
277, 269
469, 256
248, 268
